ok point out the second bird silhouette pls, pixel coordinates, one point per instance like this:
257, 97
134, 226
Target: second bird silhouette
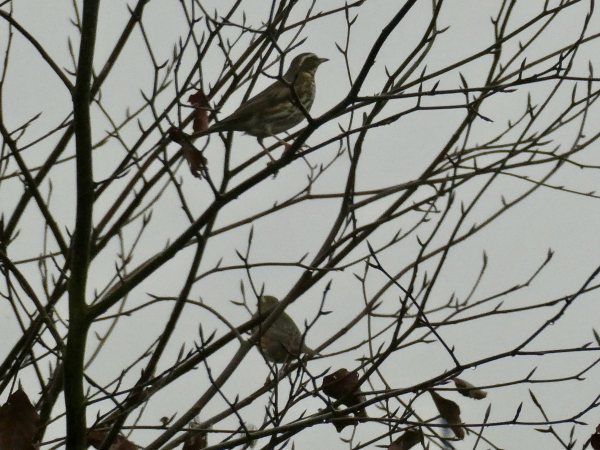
282, 341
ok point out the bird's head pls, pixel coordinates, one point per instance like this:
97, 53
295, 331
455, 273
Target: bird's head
305, 63
267, 302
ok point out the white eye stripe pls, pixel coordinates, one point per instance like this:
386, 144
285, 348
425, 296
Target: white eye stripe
307, 56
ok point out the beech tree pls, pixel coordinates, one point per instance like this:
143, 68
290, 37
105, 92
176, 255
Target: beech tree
408, 226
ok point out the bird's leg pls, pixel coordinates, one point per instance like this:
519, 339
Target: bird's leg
287, 145
265, 150
282, 142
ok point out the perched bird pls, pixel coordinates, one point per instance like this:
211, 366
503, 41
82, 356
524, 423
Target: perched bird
282, 341
275, 109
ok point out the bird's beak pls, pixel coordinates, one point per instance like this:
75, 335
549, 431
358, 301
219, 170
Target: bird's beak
322, 60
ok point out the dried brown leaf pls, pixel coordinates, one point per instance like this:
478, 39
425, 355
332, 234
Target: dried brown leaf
407, 440
19, 423
196, 161
450, 412
468, 390
341, 383
95, 438
195, 441
595, 441
201, 108
343, 422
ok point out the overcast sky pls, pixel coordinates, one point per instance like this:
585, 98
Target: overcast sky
515, 245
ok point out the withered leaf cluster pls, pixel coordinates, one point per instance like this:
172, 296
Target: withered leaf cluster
343, 385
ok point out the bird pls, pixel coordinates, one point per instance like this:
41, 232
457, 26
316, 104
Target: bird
282, 341
275, 109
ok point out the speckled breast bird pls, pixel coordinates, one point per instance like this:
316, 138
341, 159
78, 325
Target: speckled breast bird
282, 341
275, 109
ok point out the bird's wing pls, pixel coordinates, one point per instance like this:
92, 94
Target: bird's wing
262, 101
287, 333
